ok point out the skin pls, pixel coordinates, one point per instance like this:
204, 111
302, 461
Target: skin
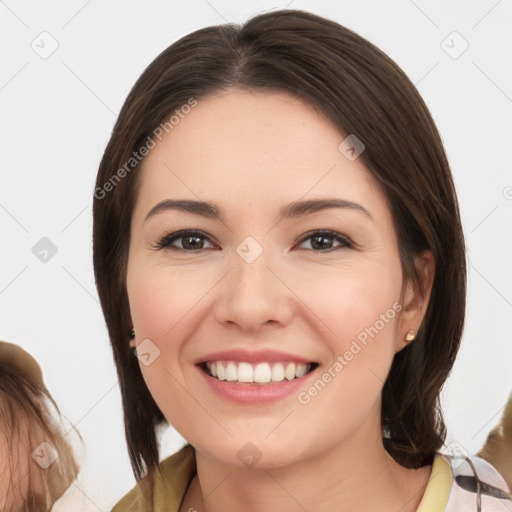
252, 153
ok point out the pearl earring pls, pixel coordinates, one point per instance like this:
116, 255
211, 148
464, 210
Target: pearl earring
410, 335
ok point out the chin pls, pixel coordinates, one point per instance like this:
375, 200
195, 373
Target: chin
255, 452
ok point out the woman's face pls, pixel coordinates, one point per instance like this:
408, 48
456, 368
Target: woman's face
257, 294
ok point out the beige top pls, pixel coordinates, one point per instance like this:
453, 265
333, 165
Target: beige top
178, 470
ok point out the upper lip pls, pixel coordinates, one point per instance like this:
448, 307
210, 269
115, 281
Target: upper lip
256, 356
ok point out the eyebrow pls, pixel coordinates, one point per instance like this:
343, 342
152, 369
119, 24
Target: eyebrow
290, 211
293, 210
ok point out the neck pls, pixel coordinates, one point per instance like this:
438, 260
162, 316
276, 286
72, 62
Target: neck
357, 473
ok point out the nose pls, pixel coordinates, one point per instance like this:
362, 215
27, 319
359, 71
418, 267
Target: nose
253, 293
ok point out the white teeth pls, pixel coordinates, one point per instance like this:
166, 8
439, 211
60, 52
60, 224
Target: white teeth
231, 373
278, 372
302, 369
289, 371
245, 372
261, 373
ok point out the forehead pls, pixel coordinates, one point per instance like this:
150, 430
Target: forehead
253, 149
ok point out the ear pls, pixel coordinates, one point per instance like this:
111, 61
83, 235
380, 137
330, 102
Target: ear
415, 297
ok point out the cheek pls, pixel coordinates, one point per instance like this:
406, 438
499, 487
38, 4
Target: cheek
351, 303
362, 309
162, 301
159, 298
360, 305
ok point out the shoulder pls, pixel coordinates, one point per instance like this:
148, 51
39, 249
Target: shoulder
169, 484
475, 485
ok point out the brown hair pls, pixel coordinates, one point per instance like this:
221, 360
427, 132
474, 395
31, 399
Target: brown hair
364, 93
28, 418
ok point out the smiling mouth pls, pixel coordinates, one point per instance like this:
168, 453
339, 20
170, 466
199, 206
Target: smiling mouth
261, 373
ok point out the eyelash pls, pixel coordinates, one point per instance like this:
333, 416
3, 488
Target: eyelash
172, 237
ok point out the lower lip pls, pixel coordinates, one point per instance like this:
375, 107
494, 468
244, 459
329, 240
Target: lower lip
243, 393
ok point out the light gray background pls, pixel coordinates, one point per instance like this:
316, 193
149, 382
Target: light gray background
57, 114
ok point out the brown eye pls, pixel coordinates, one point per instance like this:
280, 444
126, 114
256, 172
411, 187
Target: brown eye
324, 241
188, 240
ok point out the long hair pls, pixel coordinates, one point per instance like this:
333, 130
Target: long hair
37, 464
363, 92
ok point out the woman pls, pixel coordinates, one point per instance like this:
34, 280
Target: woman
277, 231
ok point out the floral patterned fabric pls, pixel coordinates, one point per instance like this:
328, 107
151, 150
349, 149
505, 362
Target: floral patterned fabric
476, 486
